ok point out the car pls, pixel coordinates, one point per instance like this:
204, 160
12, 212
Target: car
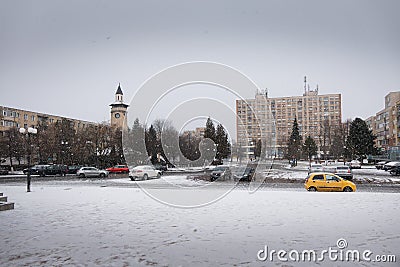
221, 173
388, 166
3, 171
344, 172
380, 164
37, 169
324, 181
217, 162
56, 169
355, 164
91, 172
161, 167
72, 169
244, 174
395, 171
315, 167
118, 169
144, 172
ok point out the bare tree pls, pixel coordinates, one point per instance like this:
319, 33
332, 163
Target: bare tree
338, 142
13, 146
325, 137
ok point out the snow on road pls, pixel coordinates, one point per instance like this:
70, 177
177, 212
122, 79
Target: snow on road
89, 225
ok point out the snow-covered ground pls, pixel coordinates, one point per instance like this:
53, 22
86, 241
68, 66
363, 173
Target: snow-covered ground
78, 224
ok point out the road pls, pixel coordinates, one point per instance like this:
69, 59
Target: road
181, 181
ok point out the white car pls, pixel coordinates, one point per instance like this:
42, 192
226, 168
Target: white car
355, 164
315, 167
144, 172
91, 172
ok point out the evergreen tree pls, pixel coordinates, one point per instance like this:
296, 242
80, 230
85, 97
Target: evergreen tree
360, 141
294, 142
151, 143
223, 145
210, 130
309, 148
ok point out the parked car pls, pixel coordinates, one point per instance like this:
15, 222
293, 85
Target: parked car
37, 169
144, 172
388, 166
91, 172
244, 174
216, 162
56, 169
72, 169
355, 164
3, 171
161, 167
221, 172
315, 167
118, 169
322, 181
395, 170
344, 172
380, 164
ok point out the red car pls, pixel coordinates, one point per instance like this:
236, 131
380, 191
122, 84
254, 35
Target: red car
118, 169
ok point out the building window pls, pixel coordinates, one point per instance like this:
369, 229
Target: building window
33, 118
8, 123
26, 117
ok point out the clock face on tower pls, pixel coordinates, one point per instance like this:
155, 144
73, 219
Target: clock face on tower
117, 115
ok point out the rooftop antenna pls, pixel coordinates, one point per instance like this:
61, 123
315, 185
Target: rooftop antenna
305, 84
317, 88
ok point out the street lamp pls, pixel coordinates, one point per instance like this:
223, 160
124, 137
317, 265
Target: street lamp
28, 134
64, 145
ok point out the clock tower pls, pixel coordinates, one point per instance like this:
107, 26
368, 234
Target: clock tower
119, 110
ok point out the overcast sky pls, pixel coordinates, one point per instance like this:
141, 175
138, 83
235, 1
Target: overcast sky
67, 57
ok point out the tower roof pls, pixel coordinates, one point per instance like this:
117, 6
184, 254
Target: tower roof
119, 90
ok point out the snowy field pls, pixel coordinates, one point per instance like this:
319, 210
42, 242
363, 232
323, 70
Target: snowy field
78, 224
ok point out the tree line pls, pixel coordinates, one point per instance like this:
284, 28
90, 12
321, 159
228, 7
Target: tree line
353, 140
160, 143
60, 143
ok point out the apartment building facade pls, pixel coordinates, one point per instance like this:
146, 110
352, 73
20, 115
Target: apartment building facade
385, 124
20, 118
271, 120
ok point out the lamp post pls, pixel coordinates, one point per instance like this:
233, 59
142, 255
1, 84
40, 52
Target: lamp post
64, 145
28, 134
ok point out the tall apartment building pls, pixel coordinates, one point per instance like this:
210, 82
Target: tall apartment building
385, 123
271, 120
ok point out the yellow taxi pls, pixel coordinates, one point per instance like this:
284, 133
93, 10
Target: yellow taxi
324, 181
